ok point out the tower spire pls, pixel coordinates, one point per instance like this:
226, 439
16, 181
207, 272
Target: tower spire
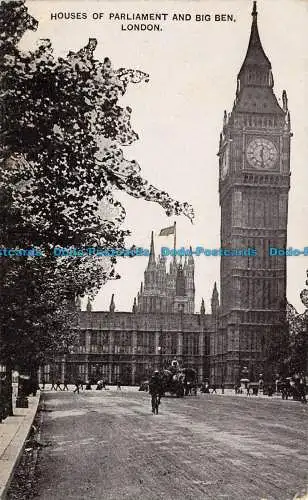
256, 68
254, 10
152, 250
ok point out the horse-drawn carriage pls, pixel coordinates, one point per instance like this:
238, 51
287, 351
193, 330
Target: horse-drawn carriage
179, 381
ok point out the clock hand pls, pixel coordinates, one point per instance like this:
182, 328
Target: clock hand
262, 156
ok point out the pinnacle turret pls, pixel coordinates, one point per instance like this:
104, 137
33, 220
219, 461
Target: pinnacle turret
78, 303
89, 305
215, 300
152, 252
202, 307
134, 310
112, 304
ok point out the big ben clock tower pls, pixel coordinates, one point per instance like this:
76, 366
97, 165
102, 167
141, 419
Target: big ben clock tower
254, 180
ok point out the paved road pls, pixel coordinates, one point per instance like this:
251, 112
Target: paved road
108, 446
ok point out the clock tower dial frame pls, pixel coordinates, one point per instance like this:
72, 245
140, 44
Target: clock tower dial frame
261, 153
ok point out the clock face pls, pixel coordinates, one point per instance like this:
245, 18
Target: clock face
225, 163
261, 153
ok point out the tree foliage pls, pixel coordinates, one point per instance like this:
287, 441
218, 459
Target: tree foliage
63, 130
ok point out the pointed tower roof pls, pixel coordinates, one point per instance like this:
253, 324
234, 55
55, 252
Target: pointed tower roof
255, 55
215, 291
215, 300
255, 81
152, 251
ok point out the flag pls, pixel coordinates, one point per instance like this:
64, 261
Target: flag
166, 231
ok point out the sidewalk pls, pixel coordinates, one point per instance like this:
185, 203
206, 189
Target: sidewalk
13, 434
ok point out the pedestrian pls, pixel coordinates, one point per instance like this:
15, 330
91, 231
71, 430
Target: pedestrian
118, 385
43, 383
58, 385
65, 387
155, 391
53, 386
214, 389
222, 388
302, 390
99, 385
77, 385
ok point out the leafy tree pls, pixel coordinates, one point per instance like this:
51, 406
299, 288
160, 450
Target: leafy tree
61, 164
286, 346
297, 340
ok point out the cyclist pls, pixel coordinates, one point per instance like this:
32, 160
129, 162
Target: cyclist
155, 389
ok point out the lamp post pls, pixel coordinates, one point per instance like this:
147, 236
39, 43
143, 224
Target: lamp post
304, 299
23, 391
3, 393
160, 352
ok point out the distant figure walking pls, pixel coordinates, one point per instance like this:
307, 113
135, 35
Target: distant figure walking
302, 390
222, 388
77, 386
156, 391
65, 387
119, 385
43, 383
58, 385
214, 389
53, 386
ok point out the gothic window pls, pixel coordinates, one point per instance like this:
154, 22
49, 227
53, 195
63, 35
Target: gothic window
180, 283
151, 344
140, 342
116, 342
82, 372
190, 344
82, 341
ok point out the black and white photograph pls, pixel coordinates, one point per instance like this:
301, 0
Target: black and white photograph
153, 249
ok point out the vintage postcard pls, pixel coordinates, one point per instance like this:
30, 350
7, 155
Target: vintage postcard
154, 248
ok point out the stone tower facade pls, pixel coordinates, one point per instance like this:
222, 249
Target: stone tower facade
254, 180
167, 292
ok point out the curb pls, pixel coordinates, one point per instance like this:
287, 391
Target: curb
18, 428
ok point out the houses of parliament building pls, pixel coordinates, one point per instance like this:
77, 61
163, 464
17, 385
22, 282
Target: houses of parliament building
254, 180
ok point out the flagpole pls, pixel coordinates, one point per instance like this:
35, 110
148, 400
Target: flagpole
174, 240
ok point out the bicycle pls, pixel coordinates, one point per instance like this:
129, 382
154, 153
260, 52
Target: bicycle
155, 403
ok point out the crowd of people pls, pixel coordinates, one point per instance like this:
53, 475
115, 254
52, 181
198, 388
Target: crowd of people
288, 388
78, 385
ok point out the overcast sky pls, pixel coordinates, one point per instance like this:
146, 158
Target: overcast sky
178, 115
